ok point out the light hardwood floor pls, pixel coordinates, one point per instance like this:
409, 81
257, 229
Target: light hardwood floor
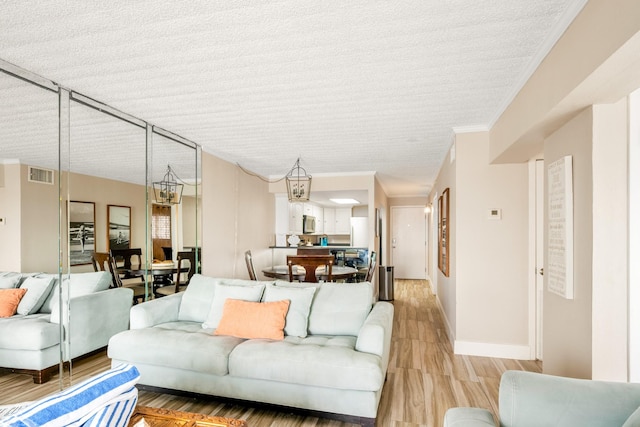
424, 378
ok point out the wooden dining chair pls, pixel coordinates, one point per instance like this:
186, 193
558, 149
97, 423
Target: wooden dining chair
179, 284
248, 259
139, 291
128, 257
102, 262
372, 267
310, 264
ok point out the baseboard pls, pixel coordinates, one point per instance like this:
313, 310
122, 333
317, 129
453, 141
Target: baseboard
450, 333
502, 351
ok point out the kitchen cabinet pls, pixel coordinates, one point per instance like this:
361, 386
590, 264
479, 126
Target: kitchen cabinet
295, 218
337, 221
343, 220
318, 212
329, 221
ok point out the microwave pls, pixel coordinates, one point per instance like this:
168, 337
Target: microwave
308, 224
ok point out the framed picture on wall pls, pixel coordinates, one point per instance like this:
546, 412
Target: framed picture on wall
118, 227
443, 233
82, 220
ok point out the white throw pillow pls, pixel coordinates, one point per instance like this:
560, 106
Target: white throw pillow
340, 308
222, 292
38, 289
9, 280
297, 320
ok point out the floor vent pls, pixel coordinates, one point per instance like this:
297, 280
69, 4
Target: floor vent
43, 176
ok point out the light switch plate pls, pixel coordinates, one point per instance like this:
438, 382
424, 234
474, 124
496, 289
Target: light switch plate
3, 221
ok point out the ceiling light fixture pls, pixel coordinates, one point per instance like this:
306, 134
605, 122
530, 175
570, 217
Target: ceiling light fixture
345, 201
168, 191
298, 183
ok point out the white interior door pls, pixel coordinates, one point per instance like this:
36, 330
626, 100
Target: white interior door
409, 242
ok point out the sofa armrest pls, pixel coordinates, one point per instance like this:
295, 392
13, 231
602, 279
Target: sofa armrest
96, 317
553, 400
156, 311
375, 333
468, 417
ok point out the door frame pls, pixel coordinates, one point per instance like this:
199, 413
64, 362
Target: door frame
536, 257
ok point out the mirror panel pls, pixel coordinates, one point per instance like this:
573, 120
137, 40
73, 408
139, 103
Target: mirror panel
29, 196
172, 159
97, 160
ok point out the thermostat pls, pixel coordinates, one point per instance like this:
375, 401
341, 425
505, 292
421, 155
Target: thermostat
495, 214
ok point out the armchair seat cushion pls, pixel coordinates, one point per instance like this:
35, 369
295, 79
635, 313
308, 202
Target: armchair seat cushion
30, 332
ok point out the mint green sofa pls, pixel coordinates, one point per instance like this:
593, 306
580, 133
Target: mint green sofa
333, 358
91, 313
528, 399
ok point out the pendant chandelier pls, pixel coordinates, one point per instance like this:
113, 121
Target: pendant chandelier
298, 183
168, 191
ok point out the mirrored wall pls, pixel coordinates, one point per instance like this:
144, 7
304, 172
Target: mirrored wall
77, 179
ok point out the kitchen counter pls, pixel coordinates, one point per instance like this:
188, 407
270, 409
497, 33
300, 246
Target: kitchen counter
352, 256
334, 246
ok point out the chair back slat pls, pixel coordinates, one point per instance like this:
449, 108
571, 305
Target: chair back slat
310, 263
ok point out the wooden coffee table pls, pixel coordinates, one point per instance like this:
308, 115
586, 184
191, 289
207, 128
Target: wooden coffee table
158, 417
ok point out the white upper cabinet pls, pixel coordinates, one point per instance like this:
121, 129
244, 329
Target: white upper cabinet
295, 218
343, 220
337, 220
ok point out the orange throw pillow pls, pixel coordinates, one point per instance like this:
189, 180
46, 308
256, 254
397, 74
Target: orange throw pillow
245, 319
9, 300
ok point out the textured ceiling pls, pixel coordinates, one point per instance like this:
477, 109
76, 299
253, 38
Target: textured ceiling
346, 86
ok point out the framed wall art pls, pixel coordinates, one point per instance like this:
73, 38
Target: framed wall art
82, 220
443, 232
118, 227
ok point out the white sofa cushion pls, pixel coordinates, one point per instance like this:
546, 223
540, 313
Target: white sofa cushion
300, 299
242, 290
196, 300
316, 361
77, 284
179, 345
32, 332
38, 289
9, 280
340, 308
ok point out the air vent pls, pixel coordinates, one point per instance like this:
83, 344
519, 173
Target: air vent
43, 176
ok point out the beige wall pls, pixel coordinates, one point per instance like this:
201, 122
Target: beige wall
39, 225
567, 323
491, 256
380, 241
446, 286
32, 212
10, 208
610, 242
238, 214
191, 222
594, 61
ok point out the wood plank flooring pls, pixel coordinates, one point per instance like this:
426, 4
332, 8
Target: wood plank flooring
424, 378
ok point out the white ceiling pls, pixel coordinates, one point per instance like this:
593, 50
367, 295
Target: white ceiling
347, 86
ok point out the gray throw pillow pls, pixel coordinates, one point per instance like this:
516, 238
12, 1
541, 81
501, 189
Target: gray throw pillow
38, 289
9, 280
300, 299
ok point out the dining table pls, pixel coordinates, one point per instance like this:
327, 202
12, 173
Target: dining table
161, 271
338, 272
